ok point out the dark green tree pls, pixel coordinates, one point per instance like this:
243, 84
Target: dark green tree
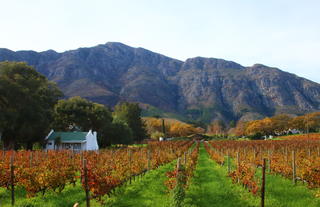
79, 113
120, 133
163, 128
232, 124
130, 113
26, 104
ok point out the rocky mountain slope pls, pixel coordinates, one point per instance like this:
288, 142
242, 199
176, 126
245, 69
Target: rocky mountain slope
199, 88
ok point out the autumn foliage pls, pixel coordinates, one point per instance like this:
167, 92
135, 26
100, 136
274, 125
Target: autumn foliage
283, 156
279, 125
187, 166
40, 172
172, 127
244, 172
37, 171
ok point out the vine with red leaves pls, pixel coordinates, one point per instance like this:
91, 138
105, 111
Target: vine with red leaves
186, 167
284, 157
40, 171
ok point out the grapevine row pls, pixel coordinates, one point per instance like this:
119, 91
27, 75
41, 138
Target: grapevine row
295, 159
39, 171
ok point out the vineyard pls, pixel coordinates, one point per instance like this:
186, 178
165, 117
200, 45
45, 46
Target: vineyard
99, 172
173, 171
298, 160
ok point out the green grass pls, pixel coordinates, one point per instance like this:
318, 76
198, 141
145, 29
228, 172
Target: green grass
69, 196
138, 145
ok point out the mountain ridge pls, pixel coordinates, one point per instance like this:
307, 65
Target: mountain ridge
198, 88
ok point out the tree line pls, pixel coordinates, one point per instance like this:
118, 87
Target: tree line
281, 124
31, 105
165, 127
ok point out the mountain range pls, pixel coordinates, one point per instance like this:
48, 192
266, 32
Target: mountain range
201, 89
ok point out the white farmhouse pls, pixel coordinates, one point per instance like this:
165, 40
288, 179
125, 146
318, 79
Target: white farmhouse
72, 140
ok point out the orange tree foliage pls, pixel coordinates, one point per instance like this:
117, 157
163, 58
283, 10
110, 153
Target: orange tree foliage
155, 124
173, 128
216, 127
240, 128
279, 125
308, 121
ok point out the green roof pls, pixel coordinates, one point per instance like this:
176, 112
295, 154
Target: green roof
68, 136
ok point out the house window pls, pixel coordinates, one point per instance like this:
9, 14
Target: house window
66, 146
77, 146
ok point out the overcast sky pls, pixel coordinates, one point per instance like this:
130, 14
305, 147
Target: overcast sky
279, 33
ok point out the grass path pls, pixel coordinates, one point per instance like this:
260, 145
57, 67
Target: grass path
210, 187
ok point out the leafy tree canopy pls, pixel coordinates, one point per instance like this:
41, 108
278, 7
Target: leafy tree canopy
79, 113
120, 133
26, 104
130, 113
